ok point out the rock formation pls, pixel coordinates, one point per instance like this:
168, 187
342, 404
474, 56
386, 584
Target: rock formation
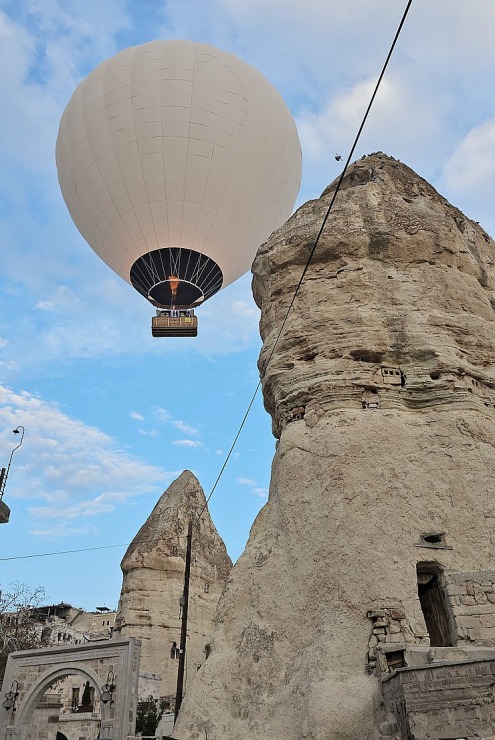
153, 570
382, 395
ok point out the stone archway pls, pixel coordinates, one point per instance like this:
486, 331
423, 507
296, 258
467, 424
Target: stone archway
37, 670
26, 710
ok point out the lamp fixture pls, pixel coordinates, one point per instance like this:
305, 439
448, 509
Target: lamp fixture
106, 693
4, 473
11, 696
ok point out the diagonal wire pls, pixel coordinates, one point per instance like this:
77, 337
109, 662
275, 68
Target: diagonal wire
311, 254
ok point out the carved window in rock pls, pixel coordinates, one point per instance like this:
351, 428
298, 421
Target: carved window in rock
174, 651
175, 551
434, 605
206, 587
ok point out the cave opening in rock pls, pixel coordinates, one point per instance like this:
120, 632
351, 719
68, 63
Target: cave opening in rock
433, 539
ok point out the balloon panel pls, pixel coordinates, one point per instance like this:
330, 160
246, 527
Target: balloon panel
177, 145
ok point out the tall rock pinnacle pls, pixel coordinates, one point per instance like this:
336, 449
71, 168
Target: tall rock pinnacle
153, 570
378, 532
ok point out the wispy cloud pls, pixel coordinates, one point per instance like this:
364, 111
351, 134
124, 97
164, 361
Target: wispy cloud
149, 432
76, 470
253, 487
187, 443
102, 504
136, 415
185, 428
261, 492
161, 414
246, 481
63, 530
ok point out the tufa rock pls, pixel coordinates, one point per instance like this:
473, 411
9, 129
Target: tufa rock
153, 570
382, 394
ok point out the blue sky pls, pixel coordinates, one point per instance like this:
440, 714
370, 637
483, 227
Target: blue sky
111, 415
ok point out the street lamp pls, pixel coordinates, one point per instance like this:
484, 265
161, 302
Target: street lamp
4, 474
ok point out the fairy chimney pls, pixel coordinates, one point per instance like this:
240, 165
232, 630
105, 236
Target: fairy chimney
153, 579
375, 549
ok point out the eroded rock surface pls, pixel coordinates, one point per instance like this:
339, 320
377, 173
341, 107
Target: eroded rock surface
382, 394
153, 578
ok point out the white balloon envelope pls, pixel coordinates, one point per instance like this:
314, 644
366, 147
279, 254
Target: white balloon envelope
176, 161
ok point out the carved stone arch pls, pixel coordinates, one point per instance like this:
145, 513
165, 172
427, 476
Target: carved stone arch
26, 708
37, 669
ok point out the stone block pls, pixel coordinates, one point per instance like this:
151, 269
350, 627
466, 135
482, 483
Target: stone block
487, 620
381, 622
475, 610
480, 596
468, 622
483, 635
468, 600
469, 588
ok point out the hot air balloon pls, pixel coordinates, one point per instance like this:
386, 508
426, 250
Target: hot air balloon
176, 161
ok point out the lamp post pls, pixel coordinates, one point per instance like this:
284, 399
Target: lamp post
4, 474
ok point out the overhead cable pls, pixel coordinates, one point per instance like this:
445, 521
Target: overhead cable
311, 254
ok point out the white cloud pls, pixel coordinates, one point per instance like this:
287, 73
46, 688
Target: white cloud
76, 470
469, 173
102, 504
246, 481
187, 443
185, 428
62, 530
149, 432
253, 487
161, 414
471, 164
261, 492
136, 415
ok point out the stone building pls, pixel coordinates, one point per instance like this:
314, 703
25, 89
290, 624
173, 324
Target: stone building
364, 603
61, 624
153, 581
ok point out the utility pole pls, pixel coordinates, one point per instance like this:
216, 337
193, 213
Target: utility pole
183, 631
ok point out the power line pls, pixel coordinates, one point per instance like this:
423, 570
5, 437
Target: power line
64, 552
311, 254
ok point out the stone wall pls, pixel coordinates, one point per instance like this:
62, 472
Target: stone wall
444, 702
472, 596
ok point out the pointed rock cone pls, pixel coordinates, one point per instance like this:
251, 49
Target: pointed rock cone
153, 576
382, 392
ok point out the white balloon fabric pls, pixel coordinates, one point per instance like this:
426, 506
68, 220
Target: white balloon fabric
176, 161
